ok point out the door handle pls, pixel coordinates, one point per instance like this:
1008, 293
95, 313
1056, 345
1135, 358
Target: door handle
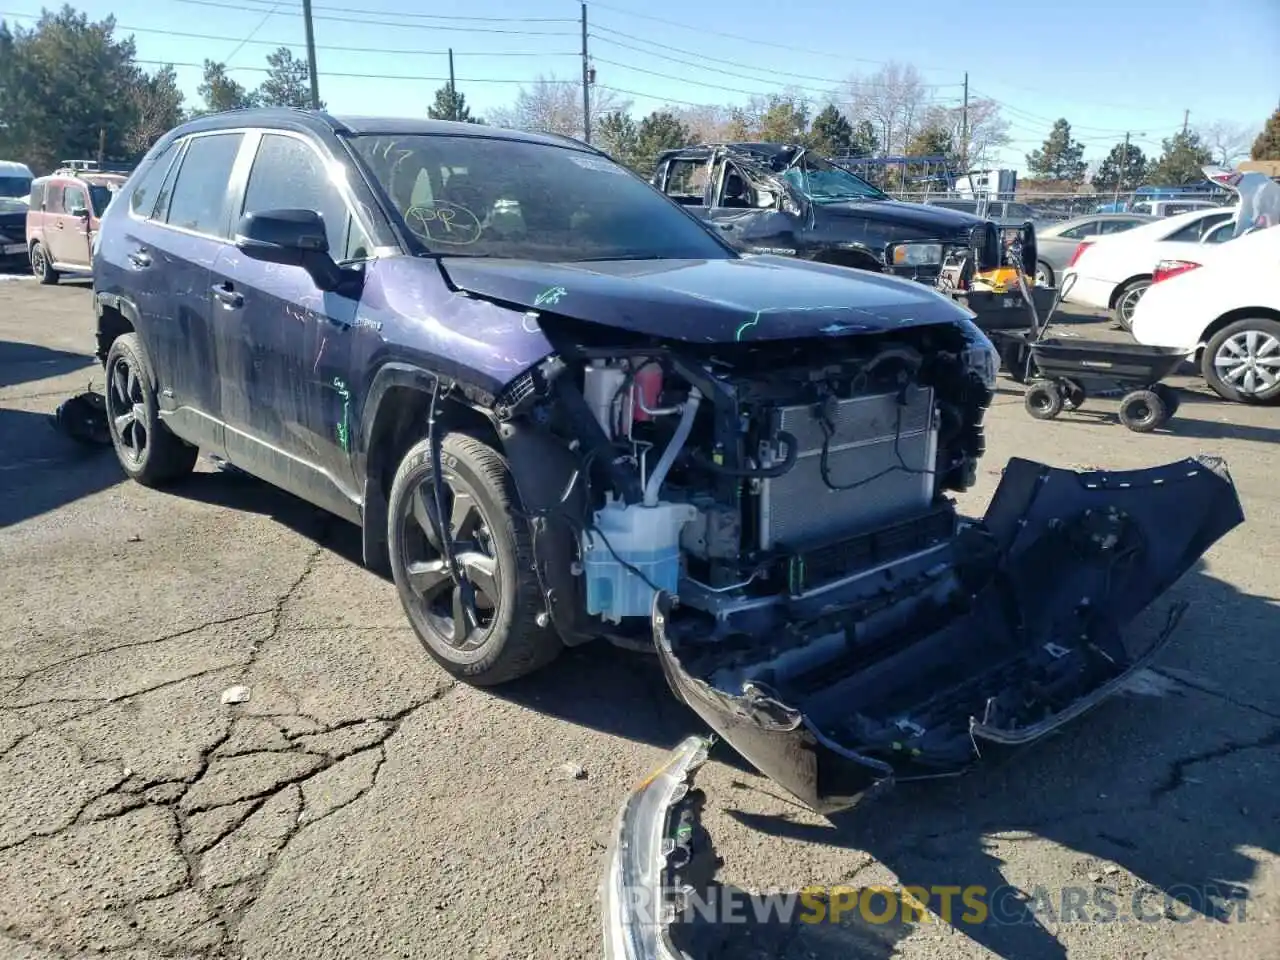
58, 224
140, 259
725, 226
230, 298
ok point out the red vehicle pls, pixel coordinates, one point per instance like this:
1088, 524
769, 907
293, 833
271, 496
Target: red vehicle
63, 218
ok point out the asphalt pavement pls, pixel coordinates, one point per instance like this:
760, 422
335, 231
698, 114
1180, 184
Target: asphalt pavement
361, 804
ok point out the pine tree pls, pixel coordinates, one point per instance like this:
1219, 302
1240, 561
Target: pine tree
1121, 170
451, 104
831, 134
1183, 160
1060, 158
1267, 146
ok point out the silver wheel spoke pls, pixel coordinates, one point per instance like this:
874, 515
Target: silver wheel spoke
482, 571
423, 514
464, 517
120, 384
135, 388
123, 421
428, 577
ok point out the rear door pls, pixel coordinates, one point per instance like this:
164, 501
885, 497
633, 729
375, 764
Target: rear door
73, 231
287, 390
171, 254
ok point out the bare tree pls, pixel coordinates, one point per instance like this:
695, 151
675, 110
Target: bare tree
709, 124
1228, 141
987, 129
549, 105
893, 99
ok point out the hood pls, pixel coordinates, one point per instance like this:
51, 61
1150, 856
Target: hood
709, 301
13, 224
924, 217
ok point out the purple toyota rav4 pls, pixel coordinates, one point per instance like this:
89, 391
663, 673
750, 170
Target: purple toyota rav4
561, 409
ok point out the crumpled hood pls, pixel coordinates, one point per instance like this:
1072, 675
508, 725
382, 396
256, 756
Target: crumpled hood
930, 220
709, 301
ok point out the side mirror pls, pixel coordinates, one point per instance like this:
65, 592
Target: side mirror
79, 212
294, 238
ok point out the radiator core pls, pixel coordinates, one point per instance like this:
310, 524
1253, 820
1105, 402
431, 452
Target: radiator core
871, 435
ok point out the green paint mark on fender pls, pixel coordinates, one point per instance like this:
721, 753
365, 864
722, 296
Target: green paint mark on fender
344, 425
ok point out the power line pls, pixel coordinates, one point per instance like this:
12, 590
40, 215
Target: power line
369, 76
403, 51
252, 33
735, 36
414, 16
702, 57
364, 21
702, 60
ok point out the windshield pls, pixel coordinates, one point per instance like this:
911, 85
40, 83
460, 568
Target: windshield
13, 204
823, 182
15, 186
488, 197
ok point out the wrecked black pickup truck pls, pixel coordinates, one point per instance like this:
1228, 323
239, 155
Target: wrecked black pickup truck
772, 198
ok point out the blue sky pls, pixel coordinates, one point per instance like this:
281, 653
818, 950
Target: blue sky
1106, 65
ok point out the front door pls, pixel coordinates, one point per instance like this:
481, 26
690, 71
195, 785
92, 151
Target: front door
289, 385
67, 225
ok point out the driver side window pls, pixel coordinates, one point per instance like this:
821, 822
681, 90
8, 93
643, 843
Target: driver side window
288, 174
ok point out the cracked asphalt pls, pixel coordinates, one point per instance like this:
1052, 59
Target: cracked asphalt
361, 804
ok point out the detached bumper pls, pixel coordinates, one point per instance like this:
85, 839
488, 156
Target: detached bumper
642, 867
1029, 638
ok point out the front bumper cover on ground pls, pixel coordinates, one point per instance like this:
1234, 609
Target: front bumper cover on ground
1175, 512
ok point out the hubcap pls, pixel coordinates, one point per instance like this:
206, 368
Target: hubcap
460, 611
127, 411
37, 261
1129, 301
1249, 361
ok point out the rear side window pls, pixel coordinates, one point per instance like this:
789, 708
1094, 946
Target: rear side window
1079, 233
200, 192
37, 195
1118, 226
53, 198
288, 174
1196, 229
143, 200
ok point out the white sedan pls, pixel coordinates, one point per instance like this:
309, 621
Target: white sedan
1222, 304
1112, 272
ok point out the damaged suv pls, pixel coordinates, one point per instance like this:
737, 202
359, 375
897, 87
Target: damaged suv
555, 401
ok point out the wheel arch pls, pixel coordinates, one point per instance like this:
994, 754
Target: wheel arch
856, 259
117, 315
1230, 317
1115, 291
394, 418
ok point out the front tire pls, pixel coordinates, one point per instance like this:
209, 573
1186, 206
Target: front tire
1241, 362
147, 451
1044, 274
1043, 400
40, 265
1143, 411
485, 630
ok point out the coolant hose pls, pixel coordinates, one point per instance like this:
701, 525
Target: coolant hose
757, 473
677, 443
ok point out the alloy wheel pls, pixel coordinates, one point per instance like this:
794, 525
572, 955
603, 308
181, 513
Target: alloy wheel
38, 264
1249, 361
461, 611
127, 411
1128, 302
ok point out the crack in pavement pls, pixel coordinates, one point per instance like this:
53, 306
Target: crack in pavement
1176, 777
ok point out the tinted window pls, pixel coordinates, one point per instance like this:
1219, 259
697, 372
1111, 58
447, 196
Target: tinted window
1083, 230
199, 194
687, 180
1118, 226
53, 198
143, 200
1196, 229
288, 174
75, 199
37, 195
573, 204
1221, 233
14, 186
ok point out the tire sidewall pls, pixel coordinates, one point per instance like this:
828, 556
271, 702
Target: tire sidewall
414, 469
1126, 291
1157, 411
128, 347
38, 255
1210, 372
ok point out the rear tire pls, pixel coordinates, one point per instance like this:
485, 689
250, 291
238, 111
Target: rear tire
492, 636
1126, 299
1143, 411
40, 265
1044, 274
147, 451
1170, 396
1043, 400
1225, 361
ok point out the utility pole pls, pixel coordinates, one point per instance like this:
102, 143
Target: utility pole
1186, 115
453, 90
964, 126
311, 55
102, 145
586, 80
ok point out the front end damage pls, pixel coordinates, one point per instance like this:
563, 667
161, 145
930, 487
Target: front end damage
1002, 633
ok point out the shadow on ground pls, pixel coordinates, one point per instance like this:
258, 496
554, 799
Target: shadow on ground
41, 469
24, 362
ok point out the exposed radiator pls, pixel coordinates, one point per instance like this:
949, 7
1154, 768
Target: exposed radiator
799, 509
